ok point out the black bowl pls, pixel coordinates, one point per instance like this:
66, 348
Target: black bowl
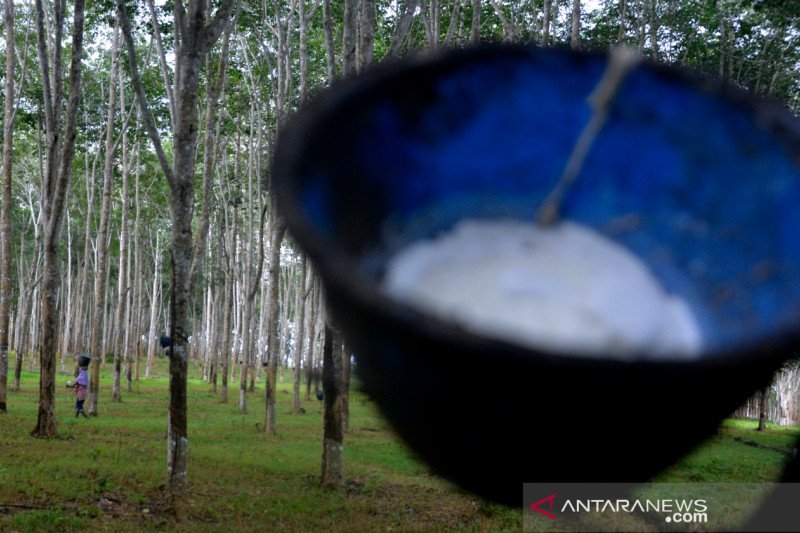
698, 179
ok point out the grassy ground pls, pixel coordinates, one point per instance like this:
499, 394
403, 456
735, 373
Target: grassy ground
107, 472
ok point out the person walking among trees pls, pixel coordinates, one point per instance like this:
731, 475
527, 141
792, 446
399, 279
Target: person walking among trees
81, 384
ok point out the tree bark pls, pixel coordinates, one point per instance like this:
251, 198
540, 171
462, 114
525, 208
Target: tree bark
311, 335
162, 61
454, 24
432, 23
79, 325
548, 4
251, 284
575, 37
154, 306
302, 296
654, 26
53, 204
475, 29
5, 215
350, 38
215, 335
404, 22
194, 38
366, 34
278, 231
121, 329
138, 293
67, 297
227, 321
508, 26
209, 152
97, 346
333, 430
346, 372
763, 407
327, 28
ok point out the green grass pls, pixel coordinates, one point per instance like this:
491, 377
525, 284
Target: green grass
108, 472
723, 459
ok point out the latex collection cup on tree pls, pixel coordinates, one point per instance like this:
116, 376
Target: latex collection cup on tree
695, 179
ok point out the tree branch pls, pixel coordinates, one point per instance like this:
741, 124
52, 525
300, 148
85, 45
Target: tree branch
403, 25
162, 61
180, 22
214, 28
209, 162
260, 267
508, 26
144, 107
61, 184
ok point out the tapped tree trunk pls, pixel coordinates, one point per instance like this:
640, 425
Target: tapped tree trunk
227, 320
346, 372
154, 304
195, 35
332, 425
119, 345
302, 296
53, 200
101, 243
763, 406
247, 353
311, 335
278, 231
5, 215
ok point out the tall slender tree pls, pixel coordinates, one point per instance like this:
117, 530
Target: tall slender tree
575, 34
332, 425
546, 16
60, 153
97, 346
276, 238
5, 208
195, 34
300, 319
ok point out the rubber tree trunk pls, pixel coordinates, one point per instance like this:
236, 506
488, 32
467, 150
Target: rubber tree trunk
194, 38
122, 329
332, 426
5, 215
346, 372
575, 36
227, 319
312, 335
546, 22
763, 406
278, 231
53, 204
302, 296
97, 346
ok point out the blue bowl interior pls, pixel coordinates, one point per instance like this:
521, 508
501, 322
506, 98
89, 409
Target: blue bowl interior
699, 181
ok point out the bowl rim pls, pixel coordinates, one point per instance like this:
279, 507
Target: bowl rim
337, 268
